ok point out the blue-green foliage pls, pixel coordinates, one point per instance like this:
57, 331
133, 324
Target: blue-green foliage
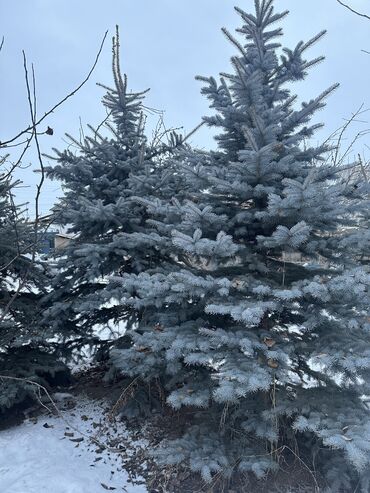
111, 166
25, 353
258, 311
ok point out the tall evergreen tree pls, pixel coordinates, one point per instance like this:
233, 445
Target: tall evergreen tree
116, 162
258, 312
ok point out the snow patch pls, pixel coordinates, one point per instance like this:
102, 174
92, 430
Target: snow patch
48, 456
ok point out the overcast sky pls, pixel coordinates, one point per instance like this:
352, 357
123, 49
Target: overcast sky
165, 43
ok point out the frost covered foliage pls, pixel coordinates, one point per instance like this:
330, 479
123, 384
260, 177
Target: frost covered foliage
113, 164
257, 314
24, 351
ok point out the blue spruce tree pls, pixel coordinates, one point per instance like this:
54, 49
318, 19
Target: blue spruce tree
257, 314
113, 164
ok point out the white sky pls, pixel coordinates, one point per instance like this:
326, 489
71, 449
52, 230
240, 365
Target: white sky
165, 43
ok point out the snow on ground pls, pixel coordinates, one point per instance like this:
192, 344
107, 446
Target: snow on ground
46, 454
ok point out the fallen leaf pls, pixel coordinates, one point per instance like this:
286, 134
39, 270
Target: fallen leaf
269, 342
143, 350
237, 283
272, 363
279, 148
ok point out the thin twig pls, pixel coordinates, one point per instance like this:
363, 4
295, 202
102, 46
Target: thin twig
353, 10
63, 100
17, 163
192, 132
121, 400
32, 107
32, 129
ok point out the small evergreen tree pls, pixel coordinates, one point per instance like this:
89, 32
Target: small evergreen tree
25, 353
258, 312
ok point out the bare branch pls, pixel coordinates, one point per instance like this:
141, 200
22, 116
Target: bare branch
96, 130
353, 10
33, 136
33, 112
63, 100
17, 163
32, 107
192, 132
344, 128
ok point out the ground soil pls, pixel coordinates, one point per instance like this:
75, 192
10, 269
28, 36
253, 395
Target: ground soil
293, 477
